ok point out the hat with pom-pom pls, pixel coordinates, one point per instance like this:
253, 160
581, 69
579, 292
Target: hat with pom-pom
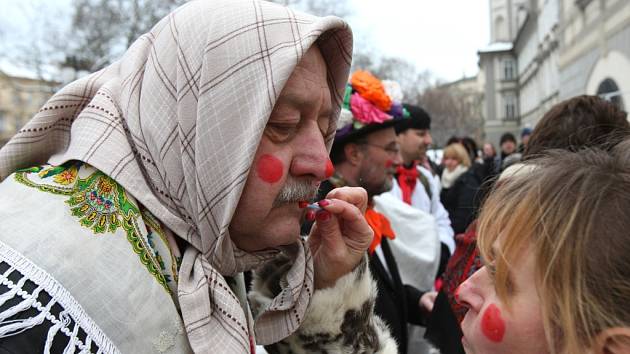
369, 105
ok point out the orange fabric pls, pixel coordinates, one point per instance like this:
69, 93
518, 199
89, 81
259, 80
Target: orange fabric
381, 227
372, 89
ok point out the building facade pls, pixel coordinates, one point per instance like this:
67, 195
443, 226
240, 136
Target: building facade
545, 51
20, 98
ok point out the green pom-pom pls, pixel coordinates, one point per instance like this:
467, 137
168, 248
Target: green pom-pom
346, 97
406, 113
357, 125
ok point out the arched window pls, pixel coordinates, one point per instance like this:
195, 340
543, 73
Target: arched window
609, 90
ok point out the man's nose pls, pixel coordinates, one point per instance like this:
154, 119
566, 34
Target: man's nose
469, 294
310, 157
428, 140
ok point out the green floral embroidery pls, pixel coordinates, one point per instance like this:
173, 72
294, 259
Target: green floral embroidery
99, 203
154, 227
22, 176
142, 250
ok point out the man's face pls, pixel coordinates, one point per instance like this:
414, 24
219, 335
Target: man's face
490, 326
290, 161
379, 158
525, 139
414, 144
508, 147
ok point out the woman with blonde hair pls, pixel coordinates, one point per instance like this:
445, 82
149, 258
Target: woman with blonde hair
459, 187
555, 245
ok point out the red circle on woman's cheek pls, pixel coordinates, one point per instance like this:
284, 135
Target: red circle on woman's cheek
269, 168
492, 324
389, 163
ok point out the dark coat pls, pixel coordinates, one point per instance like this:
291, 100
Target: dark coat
396, 304
461, 200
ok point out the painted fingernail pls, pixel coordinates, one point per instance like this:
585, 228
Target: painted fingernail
310, 215
324, 202
303, 204
323, 215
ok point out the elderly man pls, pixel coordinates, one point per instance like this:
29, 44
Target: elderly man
365, 154
137, 196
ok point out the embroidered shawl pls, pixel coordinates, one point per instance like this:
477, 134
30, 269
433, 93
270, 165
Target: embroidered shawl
176, 121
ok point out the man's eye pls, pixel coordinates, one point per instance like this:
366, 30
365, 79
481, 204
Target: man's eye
280, 131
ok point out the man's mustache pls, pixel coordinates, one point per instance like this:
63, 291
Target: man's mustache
295, 191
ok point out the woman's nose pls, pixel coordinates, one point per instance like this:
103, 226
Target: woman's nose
470, 293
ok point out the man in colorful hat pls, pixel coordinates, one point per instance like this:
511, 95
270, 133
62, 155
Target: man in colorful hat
365, 154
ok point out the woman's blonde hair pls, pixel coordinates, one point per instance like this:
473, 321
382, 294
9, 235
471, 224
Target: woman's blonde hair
573, 212
458, 152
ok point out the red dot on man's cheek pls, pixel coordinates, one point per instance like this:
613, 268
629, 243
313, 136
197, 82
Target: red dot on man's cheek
330, 169
269, 168
492, 324
389, 163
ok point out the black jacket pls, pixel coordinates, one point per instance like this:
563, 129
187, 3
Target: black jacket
397, 304
461, 200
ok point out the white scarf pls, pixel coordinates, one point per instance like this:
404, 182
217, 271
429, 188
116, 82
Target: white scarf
449, 177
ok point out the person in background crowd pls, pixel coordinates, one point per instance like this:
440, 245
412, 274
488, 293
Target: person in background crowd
132, 203
508, 147
415, 183
579, 122
365, 154
525, 134
488, 151
460, 186
555, 277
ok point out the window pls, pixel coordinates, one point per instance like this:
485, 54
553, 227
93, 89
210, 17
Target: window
509, 102
609, 90
509, 69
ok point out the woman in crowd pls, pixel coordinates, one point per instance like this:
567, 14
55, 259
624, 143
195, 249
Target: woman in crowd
555, 246
460, 185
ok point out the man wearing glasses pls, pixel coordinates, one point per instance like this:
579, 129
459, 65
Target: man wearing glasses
365, 153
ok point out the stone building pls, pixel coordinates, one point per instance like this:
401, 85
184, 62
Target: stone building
544, 51
21, 96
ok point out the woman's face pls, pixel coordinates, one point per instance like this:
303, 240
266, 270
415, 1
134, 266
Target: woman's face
490, 326
450, 163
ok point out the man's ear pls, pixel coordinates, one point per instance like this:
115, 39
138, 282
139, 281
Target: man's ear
612, 341
354, 154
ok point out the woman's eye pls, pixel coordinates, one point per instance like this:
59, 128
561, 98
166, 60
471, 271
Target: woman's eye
492, 271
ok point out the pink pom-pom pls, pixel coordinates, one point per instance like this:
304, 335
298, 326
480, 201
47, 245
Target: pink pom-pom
365, 112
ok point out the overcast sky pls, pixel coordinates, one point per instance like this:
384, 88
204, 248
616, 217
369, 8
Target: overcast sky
441, 36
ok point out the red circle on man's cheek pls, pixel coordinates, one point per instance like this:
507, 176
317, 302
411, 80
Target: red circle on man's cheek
269, 168
330, 169
492, 324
